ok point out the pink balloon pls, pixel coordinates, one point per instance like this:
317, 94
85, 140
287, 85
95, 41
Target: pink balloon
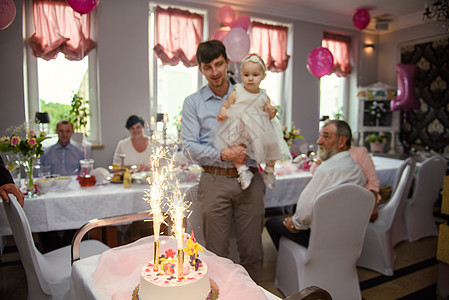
220, 34
406, 98
7, 13
237, 44
361, 18
227, 15
320, 62
242, 22
83, 6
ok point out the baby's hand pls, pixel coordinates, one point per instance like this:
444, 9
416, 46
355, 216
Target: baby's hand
221, 117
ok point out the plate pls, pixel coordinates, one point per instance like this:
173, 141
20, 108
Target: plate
116, 182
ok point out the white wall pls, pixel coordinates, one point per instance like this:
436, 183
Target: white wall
122, 48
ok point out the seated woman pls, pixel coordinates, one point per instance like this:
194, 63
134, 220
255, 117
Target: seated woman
136, 148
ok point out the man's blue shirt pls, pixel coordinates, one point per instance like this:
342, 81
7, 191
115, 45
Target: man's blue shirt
199, 121
62, 160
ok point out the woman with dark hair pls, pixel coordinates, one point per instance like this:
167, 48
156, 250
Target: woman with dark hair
136, 148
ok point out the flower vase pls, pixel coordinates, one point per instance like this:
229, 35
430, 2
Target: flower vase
28, 163
377, 147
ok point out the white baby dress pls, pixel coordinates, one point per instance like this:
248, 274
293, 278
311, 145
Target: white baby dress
249, 124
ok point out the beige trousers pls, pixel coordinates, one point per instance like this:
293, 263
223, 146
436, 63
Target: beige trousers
223, 202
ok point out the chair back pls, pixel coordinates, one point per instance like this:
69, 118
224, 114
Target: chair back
30, 256
340, 217
400, 194
430, 179
399, 174
388, 211
418, 213
378, 252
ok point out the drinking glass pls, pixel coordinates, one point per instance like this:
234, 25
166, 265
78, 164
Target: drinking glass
13, 165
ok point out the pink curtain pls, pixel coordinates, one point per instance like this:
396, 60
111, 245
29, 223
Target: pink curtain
59, 29
178, 34
338, 45
270, 43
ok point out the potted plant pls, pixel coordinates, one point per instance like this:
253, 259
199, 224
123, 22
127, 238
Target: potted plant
79, 114
376, 142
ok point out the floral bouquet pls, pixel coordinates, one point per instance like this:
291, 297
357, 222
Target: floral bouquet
26, 144
291, 135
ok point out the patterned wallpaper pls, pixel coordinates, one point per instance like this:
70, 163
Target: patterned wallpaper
428, 127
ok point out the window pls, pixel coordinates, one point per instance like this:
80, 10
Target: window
332, 94
171, 82
334, 87
51, 84
58, 80
273, 41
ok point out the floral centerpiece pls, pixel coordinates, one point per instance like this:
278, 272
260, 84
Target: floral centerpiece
290, 135
27, 145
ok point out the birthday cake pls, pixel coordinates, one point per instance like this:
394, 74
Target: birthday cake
168, 281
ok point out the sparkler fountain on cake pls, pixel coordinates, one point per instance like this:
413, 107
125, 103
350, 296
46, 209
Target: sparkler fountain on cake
168, 277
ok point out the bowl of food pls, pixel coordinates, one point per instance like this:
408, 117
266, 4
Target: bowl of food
44, 184
62, 182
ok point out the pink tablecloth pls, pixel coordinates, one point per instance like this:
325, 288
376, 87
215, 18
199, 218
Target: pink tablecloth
118, 271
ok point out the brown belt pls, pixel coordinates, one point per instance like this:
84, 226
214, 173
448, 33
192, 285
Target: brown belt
229, 172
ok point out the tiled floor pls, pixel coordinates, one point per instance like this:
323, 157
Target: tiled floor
407, 254
13, 281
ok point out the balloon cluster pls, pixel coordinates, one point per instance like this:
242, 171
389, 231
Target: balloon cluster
83, 6
7, 13
234, 36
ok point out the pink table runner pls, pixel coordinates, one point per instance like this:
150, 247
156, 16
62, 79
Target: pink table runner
118, 271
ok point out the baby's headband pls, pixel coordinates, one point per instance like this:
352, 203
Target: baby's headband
255, 59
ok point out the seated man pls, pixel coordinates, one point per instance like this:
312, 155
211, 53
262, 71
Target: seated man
337, 168
63, 157
362, 157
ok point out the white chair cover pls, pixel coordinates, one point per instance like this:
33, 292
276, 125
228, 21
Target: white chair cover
48, 275
398, 233
418, 213
340, 217
378, 253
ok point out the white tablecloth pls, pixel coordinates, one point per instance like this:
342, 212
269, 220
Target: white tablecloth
84, 286
75, 206
72, 208
289, 187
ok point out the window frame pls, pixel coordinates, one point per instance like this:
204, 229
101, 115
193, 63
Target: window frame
285, 79
152, 59
345, 81
31, 87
